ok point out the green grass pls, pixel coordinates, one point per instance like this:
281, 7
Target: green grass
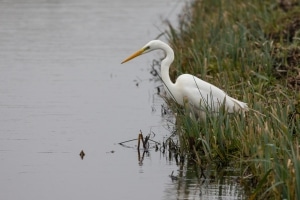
251, 50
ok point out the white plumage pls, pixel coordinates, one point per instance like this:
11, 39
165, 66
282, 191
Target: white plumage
199, 94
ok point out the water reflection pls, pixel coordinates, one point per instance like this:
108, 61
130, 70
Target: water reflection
192, 182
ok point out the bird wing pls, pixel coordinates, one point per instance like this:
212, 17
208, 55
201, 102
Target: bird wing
204, 95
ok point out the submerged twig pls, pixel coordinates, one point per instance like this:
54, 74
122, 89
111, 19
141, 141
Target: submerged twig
139, 139
121, 143
174, 178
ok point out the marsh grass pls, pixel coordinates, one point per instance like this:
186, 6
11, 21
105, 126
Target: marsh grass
251, 50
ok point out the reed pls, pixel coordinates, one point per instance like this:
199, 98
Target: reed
249, 49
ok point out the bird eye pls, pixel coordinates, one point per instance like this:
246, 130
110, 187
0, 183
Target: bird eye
147, 48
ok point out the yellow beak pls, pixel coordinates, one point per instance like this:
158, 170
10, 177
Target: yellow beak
136, 54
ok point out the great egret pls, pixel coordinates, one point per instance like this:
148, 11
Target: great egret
188, 88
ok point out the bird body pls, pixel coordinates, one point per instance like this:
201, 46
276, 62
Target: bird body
204, 95
198, 93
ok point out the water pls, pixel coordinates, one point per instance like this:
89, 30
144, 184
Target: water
63, 90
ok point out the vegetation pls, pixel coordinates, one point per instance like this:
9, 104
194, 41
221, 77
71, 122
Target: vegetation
251, 50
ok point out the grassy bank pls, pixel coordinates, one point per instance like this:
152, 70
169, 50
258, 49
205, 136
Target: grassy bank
251, 49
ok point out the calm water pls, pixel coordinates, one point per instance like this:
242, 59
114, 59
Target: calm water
63, 90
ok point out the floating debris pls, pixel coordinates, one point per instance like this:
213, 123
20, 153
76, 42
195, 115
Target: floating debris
82, 154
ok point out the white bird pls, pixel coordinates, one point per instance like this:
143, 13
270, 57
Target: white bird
200, 94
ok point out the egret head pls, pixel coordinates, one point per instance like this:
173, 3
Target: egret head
150, 46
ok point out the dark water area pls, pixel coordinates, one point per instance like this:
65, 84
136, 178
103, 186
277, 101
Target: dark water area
63, 90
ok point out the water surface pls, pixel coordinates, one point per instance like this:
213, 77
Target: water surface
63, 90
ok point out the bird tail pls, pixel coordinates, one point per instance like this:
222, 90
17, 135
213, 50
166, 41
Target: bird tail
240, 106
